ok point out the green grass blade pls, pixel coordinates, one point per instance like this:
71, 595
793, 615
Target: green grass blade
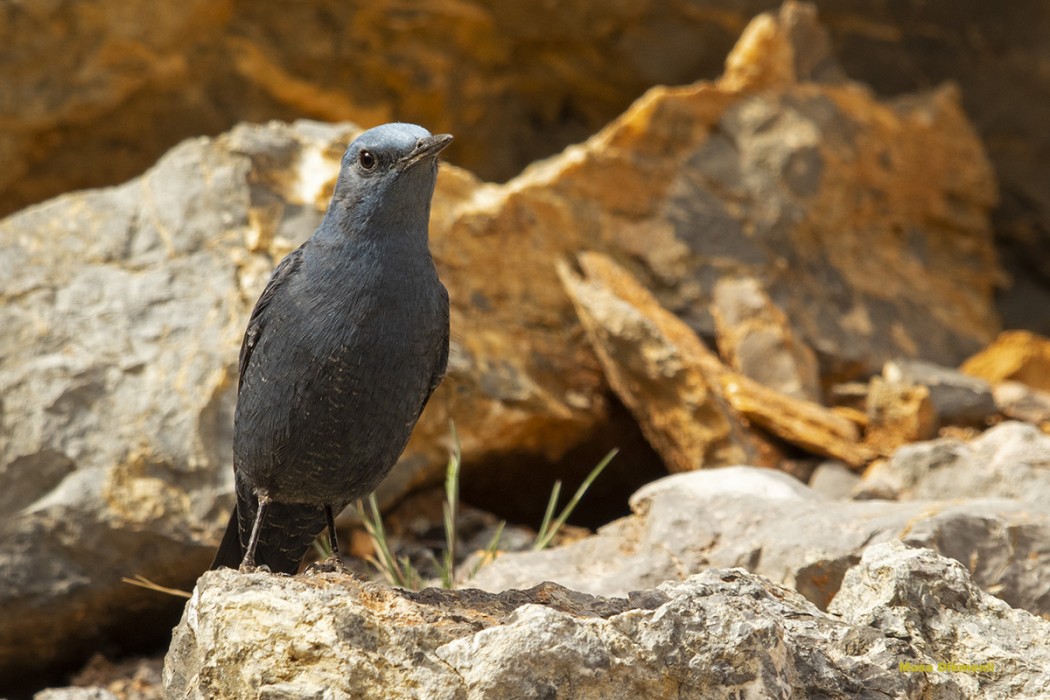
543, 535
573, 502
451, 509
384, 560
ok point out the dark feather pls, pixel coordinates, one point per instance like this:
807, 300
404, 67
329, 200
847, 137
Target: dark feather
230, 551
257, 323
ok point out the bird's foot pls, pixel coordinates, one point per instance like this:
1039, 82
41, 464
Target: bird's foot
251, 568
332, 565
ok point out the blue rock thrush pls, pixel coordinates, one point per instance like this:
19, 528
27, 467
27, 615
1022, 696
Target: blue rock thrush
343, 349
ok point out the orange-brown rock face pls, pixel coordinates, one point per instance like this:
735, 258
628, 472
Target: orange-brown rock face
865, 222
1016, 356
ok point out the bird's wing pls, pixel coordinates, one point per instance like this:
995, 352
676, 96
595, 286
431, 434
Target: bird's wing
440, 366
257, 323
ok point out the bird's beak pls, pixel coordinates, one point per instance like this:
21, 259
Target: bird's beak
426, 149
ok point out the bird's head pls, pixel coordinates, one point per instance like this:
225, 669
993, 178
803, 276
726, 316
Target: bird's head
387, 178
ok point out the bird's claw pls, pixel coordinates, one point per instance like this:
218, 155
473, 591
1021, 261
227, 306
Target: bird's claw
332, 565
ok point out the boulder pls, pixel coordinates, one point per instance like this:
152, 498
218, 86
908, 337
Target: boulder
95, 94
1011, 460
775, 526
123, 313
716, 633
968, 643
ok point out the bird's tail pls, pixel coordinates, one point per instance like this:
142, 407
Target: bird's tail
230, 551
284, 537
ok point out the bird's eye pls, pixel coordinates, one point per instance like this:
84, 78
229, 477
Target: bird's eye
367, 160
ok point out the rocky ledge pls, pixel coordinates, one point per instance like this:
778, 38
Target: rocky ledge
907, 623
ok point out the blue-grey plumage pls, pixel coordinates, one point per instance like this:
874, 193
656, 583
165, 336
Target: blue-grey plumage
343, 349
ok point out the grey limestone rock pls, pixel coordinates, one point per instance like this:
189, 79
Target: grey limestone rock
775, 526
121, 311
977, 645
833, 479
75, 693
1011, 460
723, 632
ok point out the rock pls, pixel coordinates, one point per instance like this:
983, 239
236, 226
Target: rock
659, 368
833, 480
685, 399
1021, 402
95, 98
1002, 544
777, 527
898, 414
755, 339
1018, 356
118, 461
75, 694
957, 399
722, 631
975, 642
913, 399
739, 224
812, 427
816, 131
1011, 460
128, 679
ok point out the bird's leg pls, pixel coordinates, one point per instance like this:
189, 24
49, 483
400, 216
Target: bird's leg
332, 540
334, 563
248, 564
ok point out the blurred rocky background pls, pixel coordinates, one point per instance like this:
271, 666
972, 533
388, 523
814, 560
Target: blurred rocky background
792, 261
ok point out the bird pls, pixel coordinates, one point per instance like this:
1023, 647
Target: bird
342, 351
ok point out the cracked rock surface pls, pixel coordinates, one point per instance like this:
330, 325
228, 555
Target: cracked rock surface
721, 632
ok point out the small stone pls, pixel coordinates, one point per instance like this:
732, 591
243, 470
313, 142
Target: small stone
1019, 356
833, 480
75, 693
852, 396
898, 414
1021, 402
957, 399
